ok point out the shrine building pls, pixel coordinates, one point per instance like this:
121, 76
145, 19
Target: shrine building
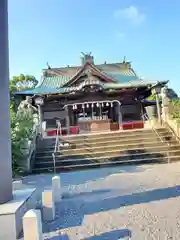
92, 97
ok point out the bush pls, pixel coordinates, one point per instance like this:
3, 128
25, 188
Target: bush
21, 131
174, 109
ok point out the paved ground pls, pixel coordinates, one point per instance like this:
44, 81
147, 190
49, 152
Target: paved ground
114, 203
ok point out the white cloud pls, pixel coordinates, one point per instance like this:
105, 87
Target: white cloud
131, 14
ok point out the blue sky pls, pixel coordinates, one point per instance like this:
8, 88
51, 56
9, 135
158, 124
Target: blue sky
56, 31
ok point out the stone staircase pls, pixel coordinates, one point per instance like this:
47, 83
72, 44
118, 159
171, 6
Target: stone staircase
104, 149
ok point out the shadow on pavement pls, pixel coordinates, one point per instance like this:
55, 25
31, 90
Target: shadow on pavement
70, 213
114, 235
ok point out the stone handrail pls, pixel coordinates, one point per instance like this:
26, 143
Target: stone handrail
56, 147
43, 129
173, 126
31, 147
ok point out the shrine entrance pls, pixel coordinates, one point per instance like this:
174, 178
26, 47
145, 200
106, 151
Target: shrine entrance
93, 116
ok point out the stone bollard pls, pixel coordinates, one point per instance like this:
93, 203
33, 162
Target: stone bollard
56, 189
48, 206
17, 185
32, 225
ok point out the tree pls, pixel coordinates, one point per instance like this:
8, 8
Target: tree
174, 109
21, 126
170, 92
21, 131
21, 82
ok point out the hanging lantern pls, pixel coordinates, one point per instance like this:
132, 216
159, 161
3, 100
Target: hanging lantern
102, 104
75, 106
111, 104
92, 105
87, 105
107, 104
97, 104
83, 106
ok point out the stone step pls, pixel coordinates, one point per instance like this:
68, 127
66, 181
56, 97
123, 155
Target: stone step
102, 134
111, 153
106, 149
106, 136
141, 143
110, 157
51, 141
90, 146
102, 142
94, 164
95, 139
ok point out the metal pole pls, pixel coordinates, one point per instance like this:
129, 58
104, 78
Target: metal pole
5, 135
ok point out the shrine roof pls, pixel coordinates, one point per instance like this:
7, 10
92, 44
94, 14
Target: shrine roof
59, 81
110, 76
55, 81
51, 87
123, 77
71, 70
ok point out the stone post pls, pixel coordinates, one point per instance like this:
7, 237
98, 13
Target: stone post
44, 133
158, 108
5, 136
165, 104
17, 185
56, 189
48, 205
32, 225
40, 118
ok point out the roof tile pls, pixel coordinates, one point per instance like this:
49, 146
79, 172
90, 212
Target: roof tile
55, 82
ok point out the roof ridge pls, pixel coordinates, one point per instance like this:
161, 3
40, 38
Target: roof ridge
93, 67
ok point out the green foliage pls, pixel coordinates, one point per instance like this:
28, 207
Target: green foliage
20, 82
174, 109
21, 126
153, 98
170, 92
21, 130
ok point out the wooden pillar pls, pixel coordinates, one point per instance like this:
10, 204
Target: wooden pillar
67, 120
119, 116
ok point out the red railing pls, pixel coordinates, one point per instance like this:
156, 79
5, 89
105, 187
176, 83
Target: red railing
73, 130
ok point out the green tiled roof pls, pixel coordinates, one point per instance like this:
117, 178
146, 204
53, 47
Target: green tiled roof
127, 84
124, 77
38, 90
53, 85
55, 82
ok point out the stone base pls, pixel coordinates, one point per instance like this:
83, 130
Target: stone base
11, 213
152, 123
